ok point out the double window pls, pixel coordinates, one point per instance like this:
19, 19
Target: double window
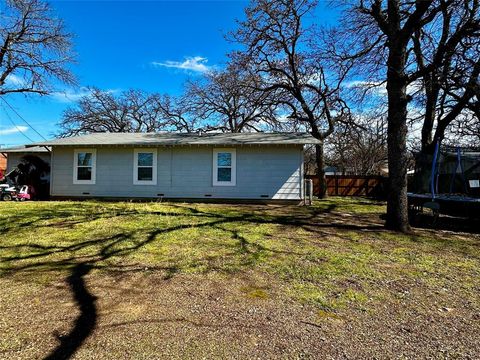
145, 167
224, 167
84, 166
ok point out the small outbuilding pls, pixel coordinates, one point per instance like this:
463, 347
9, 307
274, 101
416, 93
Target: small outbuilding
243, 166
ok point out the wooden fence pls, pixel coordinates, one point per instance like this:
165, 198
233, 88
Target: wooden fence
352, 185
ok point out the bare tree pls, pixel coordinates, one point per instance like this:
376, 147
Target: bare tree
102, 111
34, 48
360, 149
447, 64
282, 51
230, 101
465, 131
447, 102
176, 113
131, 111
401, 43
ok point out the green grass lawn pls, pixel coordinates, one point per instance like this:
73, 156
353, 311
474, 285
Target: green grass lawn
333, 259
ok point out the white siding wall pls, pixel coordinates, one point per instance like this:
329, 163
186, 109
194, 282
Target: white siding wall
186, 172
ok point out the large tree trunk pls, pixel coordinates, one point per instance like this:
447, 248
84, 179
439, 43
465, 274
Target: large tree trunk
322, 182
397, 205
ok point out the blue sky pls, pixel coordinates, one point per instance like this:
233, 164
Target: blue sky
149, 45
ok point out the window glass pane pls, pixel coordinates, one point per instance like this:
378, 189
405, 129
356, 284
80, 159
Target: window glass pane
224, 159
224, 174
84, 159
145, 174
84, 173
145, 159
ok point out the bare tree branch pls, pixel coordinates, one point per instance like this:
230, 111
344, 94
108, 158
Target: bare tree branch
131, 111
35, 48
232, 101
282, 51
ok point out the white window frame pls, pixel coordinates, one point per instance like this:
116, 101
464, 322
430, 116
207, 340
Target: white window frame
75, 166
233, 180
135, 167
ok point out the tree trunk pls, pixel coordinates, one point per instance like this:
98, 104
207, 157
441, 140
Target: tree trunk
322, 182
397, 205
430, 107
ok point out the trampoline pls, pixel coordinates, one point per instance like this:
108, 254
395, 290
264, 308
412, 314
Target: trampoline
447, 183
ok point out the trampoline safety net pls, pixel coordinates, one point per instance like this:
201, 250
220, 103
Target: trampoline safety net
456, 171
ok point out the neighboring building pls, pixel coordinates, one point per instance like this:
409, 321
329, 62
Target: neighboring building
331, 170
14, 155
171, 165
3, 164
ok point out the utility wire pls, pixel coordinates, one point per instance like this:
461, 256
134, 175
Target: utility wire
21, 117
15, 125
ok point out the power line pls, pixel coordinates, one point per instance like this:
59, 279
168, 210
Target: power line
15, 125
21, 117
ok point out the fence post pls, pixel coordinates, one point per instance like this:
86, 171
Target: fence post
310, 191
304, 192
336, 184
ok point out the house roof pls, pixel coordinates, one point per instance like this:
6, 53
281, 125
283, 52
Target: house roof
164, 139
25, 149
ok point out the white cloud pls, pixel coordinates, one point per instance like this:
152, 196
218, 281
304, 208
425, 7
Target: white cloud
14, 80
380, 88
70, 95
196, 64
13, 130
377, 87
73, 95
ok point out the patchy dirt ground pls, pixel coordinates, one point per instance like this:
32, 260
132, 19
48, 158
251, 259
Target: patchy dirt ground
145, 316
286, 282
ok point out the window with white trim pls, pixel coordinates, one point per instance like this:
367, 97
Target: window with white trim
145, 167
84, 166
224, 167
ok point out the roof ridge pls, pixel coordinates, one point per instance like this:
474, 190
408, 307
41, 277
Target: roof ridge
174, 138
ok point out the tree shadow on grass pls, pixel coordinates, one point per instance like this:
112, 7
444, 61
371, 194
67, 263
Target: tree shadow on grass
86, 321
103, 253
80, 264
446, 223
